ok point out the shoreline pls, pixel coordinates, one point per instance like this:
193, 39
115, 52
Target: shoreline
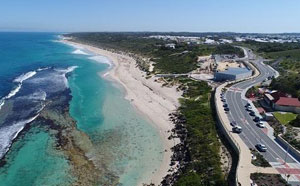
148, 97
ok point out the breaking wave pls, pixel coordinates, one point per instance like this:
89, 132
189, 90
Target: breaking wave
101, 59
78, 51
27, 100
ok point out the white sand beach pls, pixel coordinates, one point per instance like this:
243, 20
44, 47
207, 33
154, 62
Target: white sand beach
147, 96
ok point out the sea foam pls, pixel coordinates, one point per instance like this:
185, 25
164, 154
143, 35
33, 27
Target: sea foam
14, 91
101, 59
23, 77
9, 133
78, 51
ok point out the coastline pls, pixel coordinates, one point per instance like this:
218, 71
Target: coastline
148, 97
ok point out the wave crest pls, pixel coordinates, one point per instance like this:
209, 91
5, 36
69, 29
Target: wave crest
101, 59
23, 77
78, 51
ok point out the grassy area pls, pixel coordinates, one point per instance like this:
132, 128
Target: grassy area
284, 118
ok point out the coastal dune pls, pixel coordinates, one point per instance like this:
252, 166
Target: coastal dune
149, 98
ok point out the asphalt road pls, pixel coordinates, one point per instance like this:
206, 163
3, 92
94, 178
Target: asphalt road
252, 134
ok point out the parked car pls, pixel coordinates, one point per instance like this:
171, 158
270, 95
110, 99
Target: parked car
237, 129
248, 105
249, 108
261, 125
224, 100
233, 123
261, 147
226, 109
252, 113
256, 119
225, 105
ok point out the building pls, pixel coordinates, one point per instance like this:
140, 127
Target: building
170, 45
279, 101
232, 73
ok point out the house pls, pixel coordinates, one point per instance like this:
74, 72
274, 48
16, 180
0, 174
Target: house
170, 45
281, 102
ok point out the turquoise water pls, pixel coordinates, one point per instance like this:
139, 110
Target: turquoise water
123, 141
33, 161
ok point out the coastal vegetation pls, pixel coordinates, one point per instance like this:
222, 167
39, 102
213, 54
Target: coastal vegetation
203, 166
229, 50
268, 47
180, 59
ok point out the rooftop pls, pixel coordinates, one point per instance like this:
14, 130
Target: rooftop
285, 101
235, 71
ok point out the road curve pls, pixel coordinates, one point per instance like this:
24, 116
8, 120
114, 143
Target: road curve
252, 135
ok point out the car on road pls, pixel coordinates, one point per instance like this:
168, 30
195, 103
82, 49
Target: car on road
248, 105
249, 108
256, 119
224, 100
237, 129
225, 105
226, 109
261, 147
252, 113
233, 123
261, 125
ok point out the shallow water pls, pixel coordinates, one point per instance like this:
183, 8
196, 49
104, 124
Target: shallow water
123, 141
33, 161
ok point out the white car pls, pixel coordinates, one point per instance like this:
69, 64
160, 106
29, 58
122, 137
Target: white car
237, 129
261, 125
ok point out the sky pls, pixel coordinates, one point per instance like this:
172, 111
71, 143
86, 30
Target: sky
251, 16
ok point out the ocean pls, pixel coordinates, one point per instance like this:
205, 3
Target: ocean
62, 123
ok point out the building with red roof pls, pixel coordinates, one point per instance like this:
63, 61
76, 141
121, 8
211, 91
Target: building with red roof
284, 101
281, 102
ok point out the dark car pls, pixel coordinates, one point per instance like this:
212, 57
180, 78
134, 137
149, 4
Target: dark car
256, 119
233, 123
237, 129
252, 113
261, 147
225, 105
248, 105
224, 100
226, 109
